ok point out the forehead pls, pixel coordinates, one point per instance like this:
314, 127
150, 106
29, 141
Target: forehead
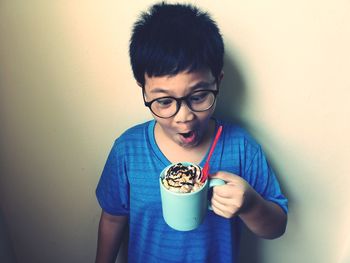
180, 82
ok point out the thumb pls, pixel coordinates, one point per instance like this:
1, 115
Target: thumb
227, 177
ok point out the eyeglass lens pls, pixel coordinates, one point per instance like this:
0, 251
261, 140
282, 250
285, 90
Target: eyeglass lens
197, 101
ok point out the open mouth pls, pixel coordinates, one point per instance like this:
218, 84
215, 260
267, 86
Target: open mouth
187, 134
188, 137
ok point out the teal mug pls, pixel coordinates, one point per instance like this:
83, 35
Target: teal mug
186, 211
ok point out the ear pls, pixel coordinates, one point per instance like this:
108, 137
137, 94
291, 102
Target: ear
220, 77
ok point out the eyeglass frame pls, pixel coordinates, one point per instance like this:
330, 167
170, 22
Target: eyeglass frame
179, 101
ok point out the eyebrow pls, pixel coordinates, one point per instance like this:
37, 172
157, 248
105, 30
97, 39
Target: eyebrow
199, 85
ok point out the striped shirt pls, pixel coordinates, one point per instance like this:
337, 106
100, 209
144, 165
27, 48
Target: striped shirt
129, 185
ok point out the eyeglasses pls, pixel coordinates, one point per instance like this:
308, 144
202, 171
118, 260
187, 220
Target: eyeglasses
167, 107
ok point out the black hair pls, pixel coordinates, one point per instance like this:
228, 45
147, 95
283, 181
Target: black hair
172, 38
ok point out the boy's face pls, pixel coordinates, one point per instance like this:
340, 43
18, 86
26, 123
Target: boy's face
186, 128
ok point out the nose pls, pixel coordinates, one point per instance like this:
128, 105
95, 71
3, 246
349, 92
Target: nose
185, 114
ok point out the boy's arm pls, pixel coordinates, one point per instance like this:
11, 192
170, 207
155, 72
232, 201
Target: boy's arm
237, 198
110, 234
264, 218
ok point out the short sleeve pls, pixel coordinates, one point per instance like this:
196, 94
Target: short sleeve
112, 191
262, 178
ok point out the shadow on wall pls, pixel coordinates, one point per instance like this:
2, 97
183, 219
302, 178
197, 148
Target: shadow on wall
7, 254
230, 105
231, 97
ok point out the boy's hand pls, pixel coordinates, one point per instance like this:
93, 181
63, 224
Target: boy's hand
232, 198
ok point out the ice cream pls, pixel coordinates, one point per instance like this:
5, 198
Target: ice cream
182, 178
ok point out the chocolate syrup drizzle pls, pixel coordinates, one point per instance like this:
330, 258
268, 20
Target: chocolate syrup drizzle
175, 173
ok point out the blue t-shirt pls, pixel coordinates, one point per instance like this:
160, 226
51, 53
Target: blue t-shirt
129, 185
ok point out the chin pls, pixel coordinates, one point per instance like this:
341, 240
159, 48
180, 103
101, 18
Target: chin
189, 145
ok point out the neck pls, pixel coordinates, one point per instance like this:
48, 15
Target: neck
177, 153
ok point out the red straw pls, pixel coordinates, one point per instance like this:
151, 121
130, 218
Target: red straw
205, 170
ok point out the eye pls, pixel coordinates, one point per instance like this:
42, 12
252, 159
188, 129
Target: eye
164, 102
199, 96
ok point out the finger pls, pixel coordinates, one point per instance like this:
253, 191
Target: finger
227, 191
227, 177
231, 204
218, 208
222, 200
218, 204
221, 209
219, 212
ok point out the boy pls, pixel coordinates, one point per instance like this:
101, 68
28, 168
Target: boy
176, 54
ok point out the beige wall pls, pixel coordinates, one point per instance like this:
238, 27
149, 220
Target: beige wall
67, 91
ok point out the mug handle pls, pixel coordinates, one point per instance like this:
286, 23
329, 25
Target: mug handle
214, 182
